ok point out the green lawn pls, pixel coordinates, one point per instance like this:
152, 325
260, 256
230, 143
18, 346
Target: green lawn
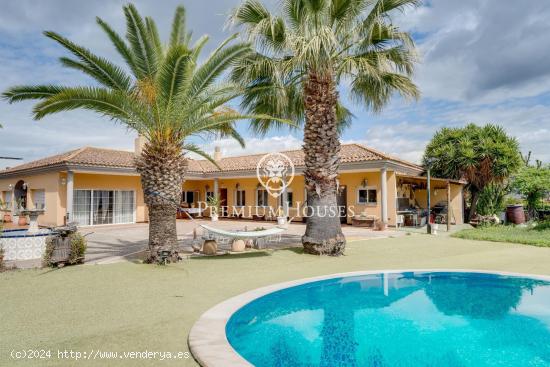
134, 307
513, 234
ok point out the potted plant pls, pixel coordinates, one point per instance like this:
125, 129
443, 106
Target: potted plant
214, 203
21, 219
6, 210
281, 217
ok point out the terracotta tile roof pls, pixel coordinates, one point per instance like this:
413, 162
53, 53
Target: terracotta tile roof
349, 153
87, 156
98, 157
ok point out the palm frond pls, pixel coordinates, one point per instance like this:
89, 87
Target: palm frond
99, 68
172, 73
218, 62
30, 92
197, 150
179, 34
120, 45
114, 104
142, 48
155, 38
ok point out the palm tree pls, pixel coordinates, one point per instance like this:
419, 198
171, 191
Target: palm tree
302, 56
163, 93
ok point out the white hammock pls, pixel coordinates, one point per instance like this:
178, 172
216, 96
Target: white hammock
249, 234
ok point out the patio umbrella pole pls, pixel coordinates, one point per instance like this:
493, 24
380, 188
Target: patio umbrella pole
429, 221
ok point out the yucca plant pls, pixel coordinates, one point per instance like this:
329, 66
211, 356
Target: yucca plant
163, 93
303, 54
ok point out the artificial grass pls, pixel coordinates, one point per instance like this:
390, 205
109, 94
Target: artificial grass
513, 234
134, 307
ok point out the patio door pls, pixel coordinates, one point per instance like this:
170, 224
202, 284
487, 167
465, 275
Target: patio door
343, 203
96, 207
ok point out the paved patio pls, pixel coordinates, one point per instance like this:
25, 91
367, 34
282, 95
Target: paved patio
107, 244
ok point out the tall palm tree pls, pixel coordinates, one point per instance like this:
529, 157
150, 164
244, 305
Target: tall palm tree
302, 55
163, 93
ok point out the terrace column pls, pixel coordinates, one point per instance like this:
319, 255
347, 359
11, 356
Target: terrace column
285, 202
384, 195
216, 187
70, 199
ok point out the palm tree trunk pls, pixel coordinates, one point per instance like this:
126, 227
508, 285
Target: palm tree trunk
321, 148
162, 168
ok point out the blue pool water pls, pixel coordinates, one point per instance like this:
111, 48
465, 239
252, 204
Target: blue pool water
408, 319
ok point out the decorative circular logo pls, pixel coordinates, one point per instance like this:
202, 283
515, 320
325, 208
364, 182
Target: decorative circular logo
275, 171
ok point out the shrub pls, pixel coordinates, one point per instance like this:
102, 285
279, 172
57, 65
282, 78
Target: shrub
78, 249
542, 225
491, 199
2, 266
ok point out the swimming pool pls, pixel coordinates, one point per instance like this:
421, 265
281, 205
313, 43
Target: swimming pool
398, 319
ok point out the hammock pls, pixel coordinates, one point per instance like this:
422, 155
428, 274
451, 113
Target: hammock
244, 234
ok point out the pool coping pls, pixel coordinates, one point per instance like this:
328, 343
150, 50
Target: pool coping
208, 341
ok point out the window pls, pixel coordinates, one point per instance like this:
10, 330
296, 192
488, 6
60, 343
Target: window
209, 194
189, 197
261, 197
240, 199
93, 207
7, 199
39, 199
289, 199
366, 195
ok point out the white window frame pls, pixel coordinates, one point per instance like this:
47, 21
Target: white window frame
289, 191
266, 197
237, 204
34, 192
90, 223
367, 188
196, 195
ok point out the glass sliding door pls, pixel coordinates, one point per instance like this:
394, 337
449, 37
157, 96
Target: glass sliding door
124, 207
82, 207
102, 206
96, 207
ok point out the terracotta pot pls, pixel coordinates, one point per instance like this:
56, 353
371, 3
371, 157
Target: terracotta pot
238, 246
210, 247
22, 220
515, 214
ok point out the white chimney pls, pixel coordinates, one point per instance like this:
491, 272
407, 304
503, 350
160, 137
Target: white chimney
139, 143
217, 153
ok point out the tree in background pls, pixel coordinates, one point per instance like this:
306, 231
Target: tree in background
303, 54
481, 155
165, 94
533, 182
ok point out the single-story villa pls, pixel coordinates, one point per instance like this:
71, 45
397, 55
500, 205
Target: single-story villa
95, 186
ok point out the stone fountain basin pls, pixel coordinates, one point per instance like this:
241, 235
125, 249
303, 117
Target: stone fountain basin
19, 244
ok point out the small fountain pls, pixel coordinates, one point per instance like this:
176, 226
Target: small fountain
25, 244
33, 218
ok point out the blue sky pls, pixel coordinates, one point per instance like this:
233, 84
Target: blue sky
482, 61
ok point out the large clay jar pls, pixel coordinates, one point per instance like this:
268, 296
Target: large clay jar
515, 214
210, 247
249, 243
238, 246
22, 220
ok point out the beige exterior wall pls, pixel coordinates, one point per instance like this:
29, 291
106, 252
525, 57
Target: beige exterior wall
50, 183
352, 182
56, 195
